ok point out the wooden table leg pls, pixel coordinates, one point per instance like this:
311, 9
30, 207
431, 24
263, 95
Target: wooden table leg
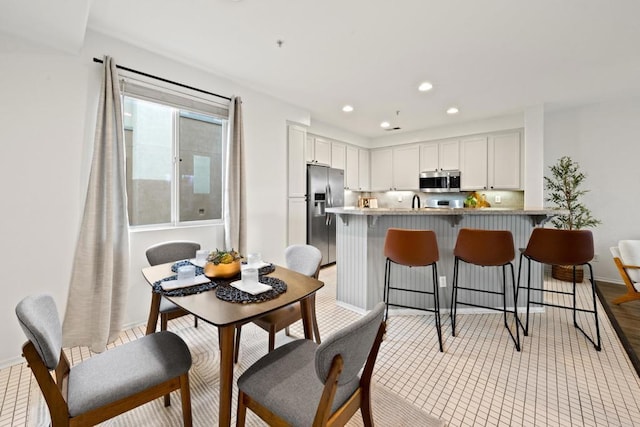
307, 316
153, 313
226, 373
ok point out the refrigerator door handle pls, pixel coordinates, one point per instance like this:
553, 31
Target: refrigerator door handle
329, 197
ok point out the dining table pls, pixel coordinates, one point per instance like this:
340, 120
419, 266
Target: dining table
226, 315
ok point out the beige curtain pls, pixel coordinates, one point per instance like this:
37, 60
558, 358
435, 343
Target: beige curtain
99, 280
235, 215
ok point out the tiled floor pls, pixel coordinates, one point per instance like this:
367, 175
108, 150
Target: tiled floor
557, 380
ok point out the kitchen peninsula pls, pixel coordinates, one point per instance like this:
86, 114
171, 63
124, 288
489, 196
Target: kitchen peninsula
360, 260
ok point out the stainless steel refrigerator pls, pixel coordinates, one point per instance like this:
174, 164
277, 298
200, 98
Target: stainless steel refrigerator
325, 189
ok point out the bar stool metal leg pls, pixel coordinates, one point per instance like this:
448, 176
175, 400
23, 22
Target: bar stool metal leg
454, 297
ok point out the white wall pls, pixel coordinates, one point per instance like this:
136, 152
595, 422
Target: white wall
603, 138
47, 113
533, 163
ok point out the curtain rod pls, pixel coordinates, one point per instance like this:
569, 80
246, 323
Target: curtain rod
120, 67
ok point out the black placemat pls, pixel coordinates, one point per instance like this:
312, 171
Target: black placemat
181, 292
228, 293
203, 287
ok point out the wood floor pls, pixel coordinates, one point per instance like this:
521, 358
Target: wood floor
624, 317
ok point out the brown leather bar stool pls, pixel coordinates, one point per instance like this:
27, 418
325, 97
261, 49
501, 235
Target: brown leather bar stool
486, 248
561, 247
412, 248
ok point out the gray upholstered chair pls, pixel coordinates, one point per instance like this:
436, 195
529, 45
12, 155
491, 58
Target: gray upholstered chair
304, 259
303, 384
108, 383
163, 253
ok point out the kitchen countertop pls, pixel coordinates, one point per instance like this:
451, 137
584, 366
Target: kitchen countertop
455, 215
443, 211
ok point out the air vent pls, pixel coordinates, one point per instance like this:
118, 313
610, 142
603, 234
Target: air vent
395, 128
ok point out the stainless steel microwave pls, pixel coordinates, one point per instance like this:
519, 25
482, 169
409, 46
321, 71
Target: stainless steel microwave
440, 181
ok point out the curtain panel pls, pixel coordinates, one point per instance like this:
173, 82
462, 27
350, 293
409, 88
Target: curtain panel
99, 279
235, 218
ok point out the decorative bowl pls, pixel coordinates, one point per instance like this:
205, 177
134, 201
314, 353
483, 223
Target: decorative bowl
221, 270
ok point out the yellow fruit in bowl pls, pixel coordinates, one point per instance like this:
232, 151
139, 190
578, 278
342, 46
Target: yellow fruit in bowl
223, 257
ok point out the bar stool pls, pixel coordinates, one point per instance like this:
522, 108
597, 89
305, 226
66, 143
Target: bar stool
412, 248
561, 247
485, 248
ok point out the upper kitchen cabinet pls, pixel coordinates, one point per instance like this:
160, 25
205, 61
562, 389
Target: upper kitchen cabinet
473, 163
406, 167
352, 169
338, 155
395, 168
491, 163
364, 177
381, 169
297, 170
444, 155
504, 161
318, 151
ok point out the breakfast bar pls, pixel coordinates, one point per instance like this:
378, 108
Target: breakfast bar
360, 236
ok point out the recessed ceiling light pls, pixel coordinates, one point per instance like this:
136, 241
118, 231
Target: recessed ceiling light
452, 110
385, 125
425, 86
347, 108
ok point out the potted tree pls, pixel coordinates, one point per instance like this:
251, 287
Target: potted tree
564, 186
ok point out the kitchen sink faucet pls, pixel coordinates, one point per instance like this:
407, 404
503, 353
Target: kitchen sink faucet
415, 199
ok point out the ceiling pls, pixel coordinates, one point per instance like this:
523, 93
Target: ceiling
488, 58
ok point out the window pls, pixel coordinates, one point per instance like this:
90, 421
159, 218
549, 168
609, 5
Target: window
174, 158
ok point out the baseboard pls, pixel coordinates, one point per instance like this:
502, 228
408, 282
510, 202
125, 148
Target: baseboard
413, 312
12, 362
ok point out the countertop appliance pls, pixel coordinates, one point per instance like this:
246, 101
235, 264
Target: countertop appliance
440, 181
451, 204
325, 189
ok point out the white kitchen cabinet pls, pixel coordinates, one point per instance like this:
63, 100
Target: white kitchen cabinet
297, 167
381, 169
491, 163
297, 221
318, 151
364, 177
473, 163
504, 161
449, 155
429, 157
443, 155
338, 155
352, 169
406, 167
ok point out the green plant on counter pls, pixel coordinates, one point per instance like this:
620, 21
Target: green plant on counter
565, 192
223, 257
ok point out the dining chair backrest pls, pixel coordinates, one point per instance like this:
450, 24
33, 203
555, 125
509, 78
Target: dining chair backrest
177, 250
38, 318
304, 259
353, 343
